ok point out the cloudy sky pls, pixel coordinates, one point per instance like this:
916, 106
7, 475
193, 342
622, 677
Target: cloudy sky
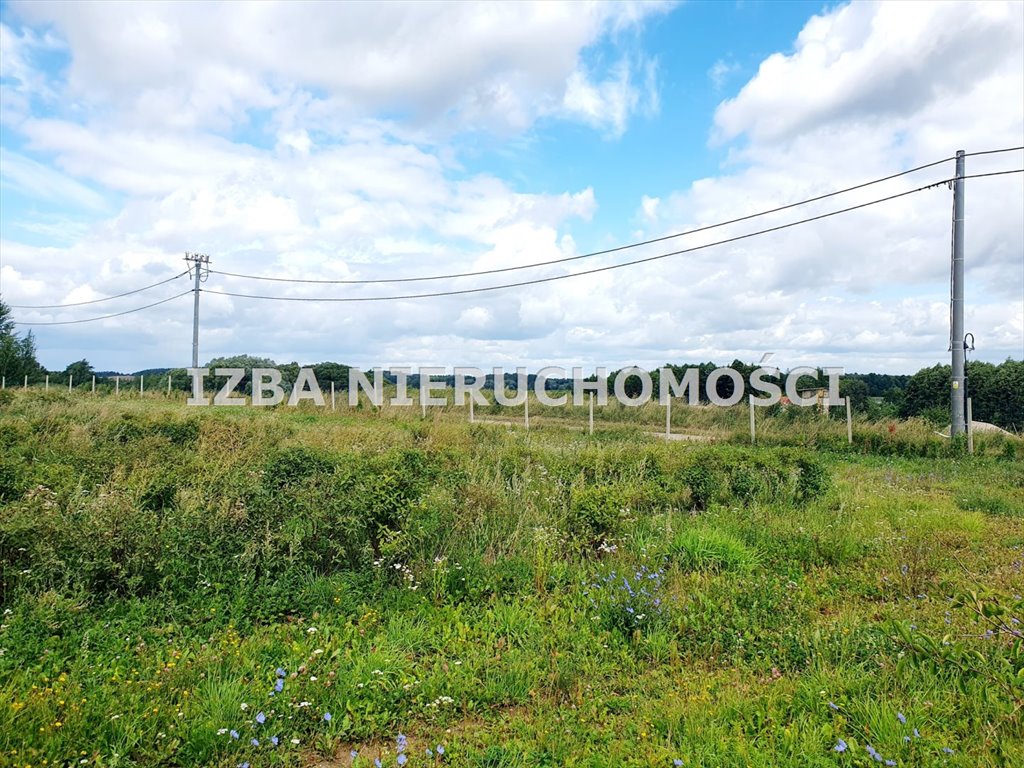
377, 141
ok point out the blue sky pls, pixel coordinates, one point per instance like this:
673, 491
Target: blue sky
355, 141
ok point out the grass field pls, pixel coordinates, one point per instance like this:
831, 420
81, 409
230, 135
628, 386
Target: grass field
287, 587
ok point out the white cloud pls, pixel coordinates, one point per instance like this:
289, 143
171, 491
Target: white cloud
649, 206
872, 62
720, 72
610, 103
338, 192
871, 88
35, 179
190, 65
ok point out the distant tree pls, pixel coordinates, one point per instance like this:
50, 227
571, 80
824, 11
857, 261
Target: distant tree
17, 354
1009, 383
632, 385
880, 383
996, 392
857, 391
895, 396
180, 379
328, 372
6, 321
983, 389
881, 410
246, 362
927, 389
79, 372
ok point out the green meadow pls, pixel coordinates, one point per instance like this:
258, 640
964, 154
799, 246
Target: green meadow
302, 587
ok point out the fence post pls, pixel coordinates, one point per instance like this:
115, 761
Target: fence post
4, 385
333, 404
752, 432
168, 385
141, 378
47, 386
94, 383
26, 383
117, 385
970, 428
849, 422
71, 377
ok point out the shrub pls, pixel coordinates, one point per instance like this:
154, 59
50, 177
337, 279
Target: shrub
727, 475
813, 479
705, 484
596, 514
978, 501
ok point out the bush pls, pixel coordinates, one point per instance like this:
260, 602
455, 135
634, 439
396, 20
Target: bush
596, 514
706, 484
813, 480
728, 475
978, 501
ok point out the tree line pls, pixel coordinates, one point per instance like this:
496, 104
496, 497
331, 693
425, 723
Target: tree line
996, 390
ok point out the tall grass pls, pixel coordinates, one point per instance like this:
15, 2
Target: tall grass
463, 583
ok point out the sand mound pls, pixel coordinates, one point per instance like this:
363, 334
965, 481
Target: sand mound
982, 426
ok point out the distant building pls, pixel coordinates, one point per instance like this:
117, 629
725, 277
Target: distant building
820, 394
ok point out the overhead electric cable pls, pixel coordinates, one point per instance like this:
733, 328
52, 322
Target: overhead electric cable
591, 254
608, 267
116, 314
994, 151
97, 301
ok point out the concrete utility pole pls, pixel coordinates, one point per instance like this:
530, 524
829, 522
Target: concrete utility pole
201, 264
956, 339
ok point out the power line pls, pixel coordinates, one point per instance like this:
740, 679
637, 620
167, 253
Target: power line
116, 314
994, 151
591, 254
607, 268
97, 301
